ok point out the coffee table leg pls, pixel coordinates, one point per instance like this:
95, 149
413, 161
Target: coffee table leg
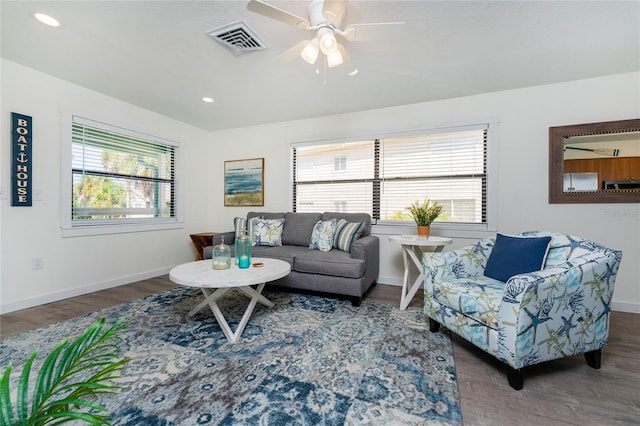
211, 298
250, 292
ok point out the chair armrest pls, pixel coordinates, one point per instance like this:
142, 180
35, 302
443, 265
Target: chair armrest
465, 262
559, 311
229, 239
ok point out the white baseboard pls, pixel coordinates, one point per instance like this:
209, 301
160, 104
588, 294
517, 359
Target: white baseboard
79, 291
632, 308
395, 281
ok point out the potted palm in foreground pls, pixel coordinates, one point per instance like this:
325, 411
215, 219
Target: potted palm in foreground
423, 214
71, 376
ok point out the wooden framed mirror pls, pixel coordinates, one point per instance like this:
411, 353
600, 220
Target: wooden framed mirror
595, 163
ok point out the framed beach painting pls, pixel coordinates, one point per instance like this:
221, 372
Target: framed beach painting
244, 182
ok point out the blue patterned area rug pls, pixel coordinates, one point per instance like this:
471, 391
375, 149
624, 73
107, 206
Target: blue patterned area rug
308, 360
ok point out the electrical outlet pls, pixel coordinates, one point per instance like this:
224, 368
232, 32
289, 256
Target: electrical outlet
37, 262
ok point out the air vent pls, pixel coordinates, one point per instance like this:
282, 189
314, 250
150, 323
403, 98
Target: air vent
238, 38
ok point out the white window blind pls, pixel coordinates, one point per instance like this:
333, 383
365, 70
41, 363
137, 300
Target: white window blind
330, 175
384, 176
448, 167
119, 176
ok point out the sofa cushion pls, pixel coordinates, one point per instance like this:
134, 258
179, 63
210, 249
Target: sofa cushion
298, 228
268, 232
516, 255
335, 262
365, 218
285, 253
477, 297
322, 235
346, 233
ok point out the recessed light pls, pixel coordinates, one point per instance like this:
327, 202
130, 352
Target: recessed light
207, 99
46, 19
354, 72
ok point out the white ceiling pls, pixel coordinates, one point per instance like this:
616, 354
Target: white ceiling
157, 55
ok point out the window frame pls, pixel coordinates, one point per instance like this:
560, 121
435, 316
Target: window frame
71, 228
466, 229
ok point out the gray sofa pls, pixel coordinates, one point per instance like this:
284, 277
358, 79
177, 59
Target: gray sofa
335, 272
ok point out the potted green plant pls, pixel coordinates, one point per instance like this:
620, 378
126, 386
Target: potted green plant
424, 213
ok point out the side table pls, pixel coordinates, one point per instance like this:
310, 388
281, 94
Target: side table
202, 240
413, 247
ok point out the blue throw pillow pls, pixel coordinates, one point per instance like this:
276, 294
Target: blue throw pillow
322, 235
515, 255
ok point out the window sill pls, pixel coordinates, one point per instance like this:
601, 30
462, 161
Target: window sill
89, 230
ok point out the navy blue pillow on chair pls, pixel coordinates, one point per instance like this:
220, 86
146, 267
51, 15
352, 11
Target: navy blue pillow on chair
516, 255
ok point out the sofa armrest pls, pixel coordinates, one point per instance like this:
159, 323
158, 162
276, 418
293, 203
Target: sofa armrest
558, 311
229, 239
368, 249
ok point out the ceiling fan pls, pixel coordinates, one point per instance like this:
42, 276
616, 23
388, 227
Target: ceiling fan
325, 19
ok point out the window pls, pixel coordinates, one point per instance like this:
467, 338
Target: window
384, 176
120, 177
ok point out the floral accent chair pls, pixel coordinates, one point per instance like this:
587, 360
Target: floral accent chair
558, 311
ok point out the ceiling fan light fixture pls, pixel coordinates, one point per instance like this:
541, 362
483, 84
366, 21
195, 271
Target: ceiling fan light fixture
334, 59
328, 43
310, 51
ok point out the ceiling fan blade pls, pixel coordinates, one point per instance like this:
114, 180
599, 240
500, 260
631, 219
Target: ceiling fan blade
265, 9
291, 53
334, 10
378, 31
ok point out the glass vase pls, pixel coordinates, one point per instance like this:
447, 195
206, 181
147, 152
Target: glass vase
221, 256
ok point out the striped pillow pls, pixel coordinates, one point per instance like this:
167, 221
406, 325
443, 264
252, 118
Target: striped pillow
240, 225
346, 234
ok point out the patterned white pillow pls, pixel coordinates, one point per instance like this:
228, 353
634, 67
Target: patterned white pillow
346, 233
240, 225
268, 232
322, 235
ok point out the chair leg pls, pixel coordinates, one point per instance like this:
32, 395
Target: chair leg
516, 378
356, 301
593, 358
434, 326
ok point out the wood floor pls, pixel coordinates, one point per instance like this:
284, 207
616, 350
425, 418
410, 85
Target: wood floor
561, 392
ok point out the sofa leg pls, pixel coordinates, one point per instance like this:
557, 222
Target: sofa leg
356, 301
434, 326
516, 378
593, 358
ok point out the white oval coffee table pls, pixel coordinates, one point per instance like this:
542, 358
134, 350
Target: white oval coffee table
215, 283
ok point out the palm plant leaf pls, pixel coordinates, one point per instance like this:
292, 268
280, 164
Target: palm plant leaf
62, 386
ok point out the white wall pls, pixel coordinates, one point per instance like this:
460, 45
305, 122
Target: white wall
82, 264
525, 116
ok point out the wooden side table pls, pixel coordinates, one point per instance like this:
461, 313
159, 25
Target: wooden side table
202, 240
